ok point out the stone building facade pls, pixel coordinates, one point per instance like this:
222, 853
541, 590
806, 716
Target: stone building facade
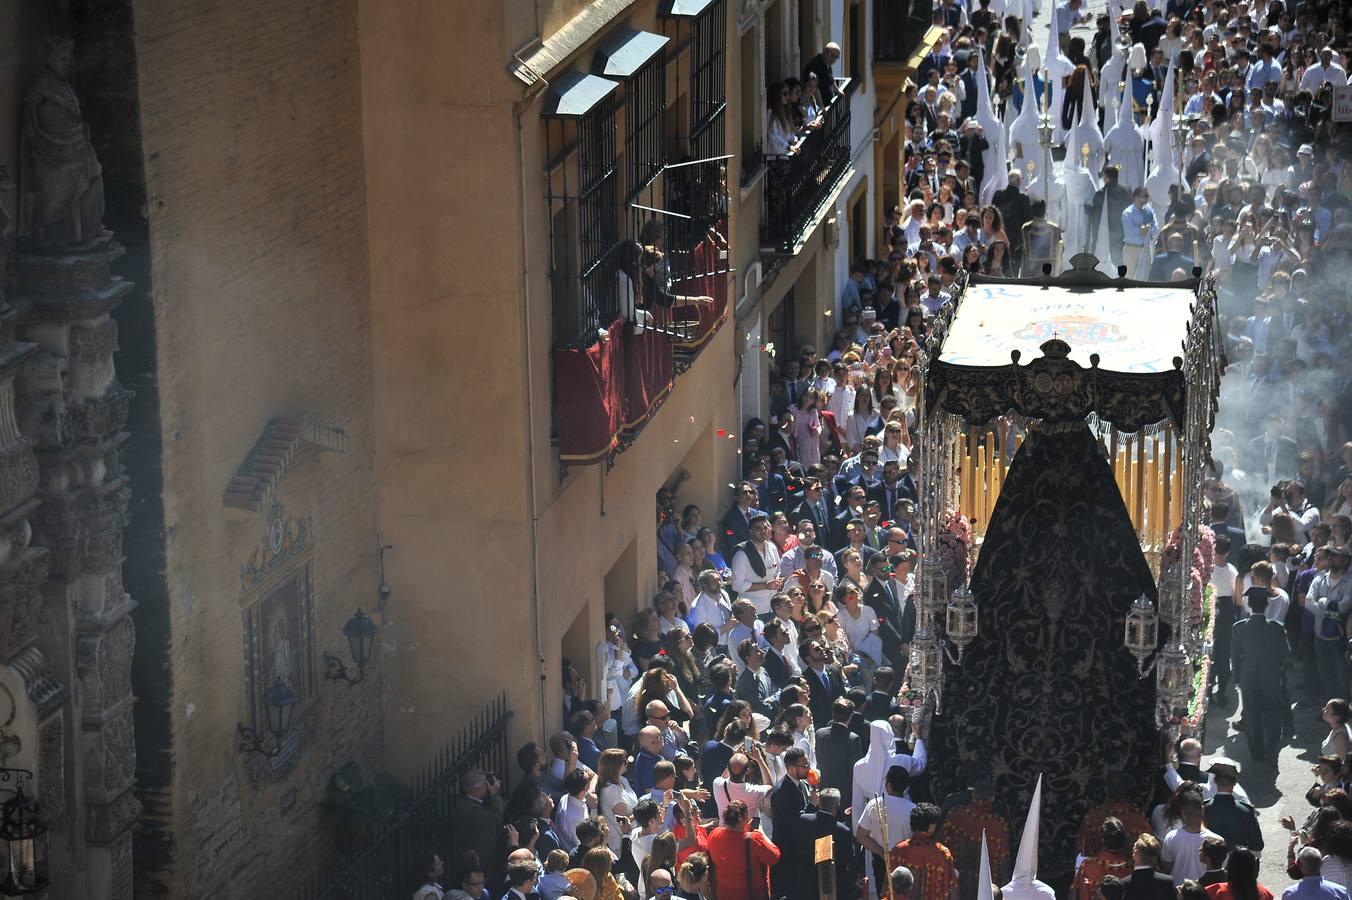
323, 323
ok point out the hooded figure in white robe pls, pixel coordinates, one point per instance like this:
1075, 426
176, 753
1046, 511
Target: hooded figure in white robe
1125, 144
1024, 885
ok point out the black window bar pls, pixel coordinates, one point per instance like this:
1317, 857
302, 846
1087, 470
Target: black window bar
584, 226
645, 106
708, 72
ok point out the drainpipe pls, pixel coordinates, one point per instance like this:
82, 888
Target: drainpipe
528, 415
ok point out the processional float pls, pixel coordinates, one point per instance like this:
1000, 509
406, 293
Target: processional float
1064, 435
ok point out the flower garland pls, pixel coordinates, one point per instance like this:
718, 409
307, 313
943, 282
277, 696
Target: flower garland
954, 547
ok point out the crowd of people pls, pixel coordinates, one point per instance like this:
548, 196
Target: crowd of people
756, 705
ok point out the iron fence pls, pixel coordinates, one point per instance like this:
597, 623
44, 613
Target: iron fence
392, 862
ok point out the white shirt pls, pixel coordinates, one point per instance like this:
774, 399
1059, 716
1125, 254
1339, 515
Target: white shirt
898, 820
714, 611
571, 811
1180, 849
609, 797
752, 795
857, 629
1276, 608
1317, 74
1223, 579
743, 576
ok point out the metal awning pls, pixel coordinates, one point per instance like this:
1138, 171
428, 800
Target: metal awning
575, 94
682, 9
626, 52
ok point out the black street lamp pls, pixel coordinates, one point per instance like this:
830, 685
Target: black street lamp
23, 835
278, 703
360, 632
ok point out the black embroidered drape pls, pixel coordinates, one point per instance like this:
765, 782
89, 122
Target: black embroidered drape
1047, 686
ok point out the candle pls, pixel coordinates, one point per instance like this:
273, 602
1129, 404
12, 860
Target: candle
1156, 494
978, 486
990, 478
1168, 476
1046, 91
1140, 483
1129, 483
965, 501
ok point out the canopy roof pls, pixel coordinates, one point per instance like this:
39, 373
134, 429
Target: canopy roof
1139, 329
1065, 348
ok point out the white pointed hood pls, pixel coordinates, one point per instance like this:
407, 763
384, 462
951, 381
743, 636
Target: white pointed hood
1086, 131
995, 173
1025, 885
1124, 141
1103, 245
870, 771
1023, 146
1164, 169
983, 885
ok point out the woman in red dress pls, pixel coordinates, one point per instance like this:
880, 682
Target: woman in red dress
742, 858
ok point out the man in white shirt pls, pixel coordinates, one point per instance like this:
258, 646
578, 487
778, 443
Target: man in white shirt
732, 785
1180, 851
1326, 71
755, 566
711, 606
870, 830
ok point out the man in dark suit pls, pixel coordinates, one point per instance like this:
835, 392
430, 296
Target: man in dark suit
820, 65
814, 508
818, 823
824, 683
737, 520
776, 666
856, 499
934, 61
1016, 210
969, 85
716, 754
1118, 199
882, 702
856, 532
1145, 882
772, 491
838, 749
754, 685
891, 487
1220, 514
788, 801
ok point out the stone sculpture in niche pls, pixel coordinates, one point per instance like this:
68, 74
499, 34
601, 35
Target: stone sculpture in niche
60, 179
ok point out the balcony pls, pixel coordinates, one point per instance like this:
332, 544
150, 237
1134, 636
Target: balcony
797, 186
